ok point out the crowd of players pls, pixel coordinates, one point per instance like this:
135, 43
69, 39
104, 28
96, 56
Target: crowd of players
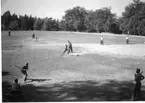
69, 49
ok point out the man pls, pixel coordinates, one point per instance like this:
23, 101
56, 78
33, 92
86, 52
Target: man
36, 39
137, 89
70, 46
24, 71
9, 33
66, 49
16, 88
102, 40
33, 36
127, 39
17, 93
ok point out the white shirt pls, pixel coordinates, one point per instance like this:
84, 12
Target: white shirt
101, 38
127, 37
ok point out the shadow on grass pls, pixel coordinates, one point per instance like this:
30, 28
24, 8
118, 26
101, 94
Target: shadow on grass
36, 80
80, 91
5, 73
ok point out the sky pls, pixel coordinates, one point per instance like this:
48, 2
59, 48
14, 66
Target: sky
56, 8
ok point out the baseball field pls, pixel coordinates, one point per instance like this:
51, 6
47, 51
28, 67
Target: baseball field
93, 72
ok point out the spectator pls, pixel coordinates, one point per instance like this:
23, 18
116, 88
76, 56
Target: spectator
16, 88
137, 89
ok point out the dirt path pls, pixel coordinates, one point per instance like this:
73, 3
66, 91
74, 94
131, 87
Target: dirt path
137, 50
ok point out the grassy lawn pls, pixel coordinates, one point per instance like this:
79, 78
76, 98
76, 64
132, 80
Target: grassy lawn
88, 77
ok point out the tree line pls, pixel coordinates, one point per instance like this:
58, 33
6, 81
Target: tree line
80, 19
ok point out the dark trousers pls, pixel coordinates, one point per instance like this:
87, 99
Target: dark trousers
101, 42
9, 34
66, 50
25, 73
71, 49
127, 41
137, 91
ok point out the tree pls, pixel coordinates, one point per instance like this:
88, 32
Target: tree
134, 18
38, 24
62, 25
23, 20
91, 23
50, 24
99, 20
30, 22
14, 25
6, 19
75, 19
14, 17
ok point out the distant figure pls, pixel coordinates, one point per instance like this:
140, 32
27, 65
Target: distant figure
36, 38
17, 93
24, 70
137, 89
127, 39
33, 36
16, 88
102, 40
9, 33
66, 49
128, 32
70, 46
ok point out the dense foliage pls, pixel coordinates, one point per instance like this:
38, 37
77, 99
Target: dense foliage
80, 19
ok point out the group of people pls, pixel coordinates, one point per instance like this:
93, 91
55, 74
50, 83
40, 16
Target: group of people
136, 93
34, 37
68, 48
102, 40
16, 91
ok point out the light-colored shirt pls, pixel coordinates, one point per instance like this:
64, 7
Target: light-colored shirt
127, 37
101, 38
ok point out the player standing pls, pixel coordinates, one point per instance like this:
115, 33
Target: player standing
137, 89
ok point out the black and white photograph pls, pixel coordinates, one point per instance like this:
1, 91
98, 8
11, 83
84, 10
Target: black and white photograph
72, 50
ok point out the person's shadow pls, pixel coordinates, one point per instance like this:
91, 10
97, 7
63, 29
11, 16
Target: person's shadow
36, 80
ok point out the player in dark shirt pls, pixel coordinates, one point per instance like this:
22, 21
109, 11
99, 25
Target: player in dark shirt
24, 70
66, 49
9, 33
137, 89
70, 46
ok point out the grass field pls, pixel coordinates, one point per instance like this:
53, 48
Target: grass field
98, 73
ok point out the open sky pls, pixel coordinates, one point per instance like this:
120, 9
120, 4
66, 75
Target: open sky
56, 8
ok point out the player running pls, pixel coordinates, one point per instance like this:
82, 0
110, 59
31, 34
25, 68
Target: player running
66, 50
24, 70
